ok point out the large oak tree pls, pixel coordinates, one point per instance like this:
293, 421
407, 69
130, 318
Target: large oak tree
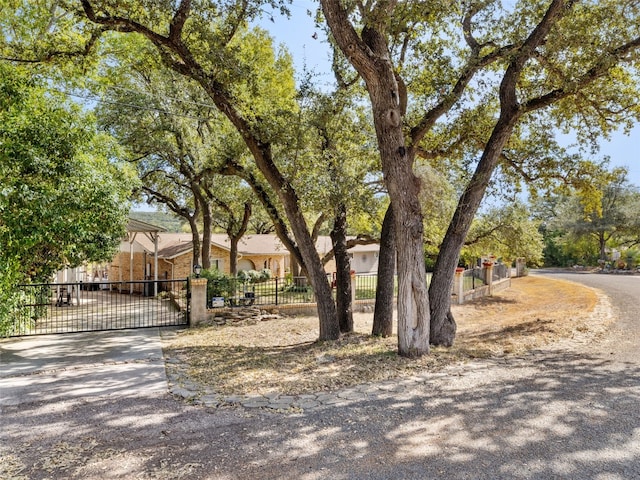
463, 79
205, 43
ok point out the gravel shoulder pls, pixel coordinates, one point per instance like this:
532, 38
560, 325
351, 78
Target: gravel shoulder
281, 356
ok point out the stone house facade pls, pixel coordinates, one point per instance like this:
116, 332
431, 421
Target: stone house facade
137, 261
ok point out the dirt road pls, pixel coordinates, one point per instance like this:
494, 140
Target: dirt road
560, 413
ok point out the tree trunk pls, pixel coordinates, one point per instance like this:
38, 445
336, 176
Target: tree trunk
443, 325
235, 236
295, 267
195, 240
203, 205
403, 187
369, 54
602, 243
327, 316
254, 139
383, 313
344, 301
442, 322
207, 222
233, 255
277, 222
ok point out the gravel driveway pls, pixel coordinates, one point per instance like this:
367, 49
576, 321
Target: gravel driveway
562, 414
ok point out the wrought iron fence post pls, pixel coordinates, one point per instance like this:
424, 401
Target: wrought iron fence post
188, 306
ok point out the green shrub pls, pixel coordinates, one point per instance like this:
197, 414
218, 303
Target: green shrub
254, 276
219, 284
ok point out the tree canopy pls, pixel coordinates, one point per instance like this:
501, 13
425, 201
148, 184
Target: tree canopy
65, 196
579, 233
480, 83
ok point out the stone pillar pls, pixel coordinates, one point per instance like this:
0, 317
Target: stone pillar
488, 276
458, 285
521, 264
353, 287
198, 312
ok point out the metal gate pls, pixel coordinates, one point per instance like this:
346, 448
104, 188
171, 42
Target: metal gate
84, 307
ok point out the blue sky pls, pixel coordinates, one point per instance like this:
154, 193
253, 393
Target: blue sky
297, 35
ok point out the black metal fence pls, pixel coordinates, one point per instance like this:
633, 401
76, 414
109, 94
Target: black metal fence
473, 278
82, 307
232, 292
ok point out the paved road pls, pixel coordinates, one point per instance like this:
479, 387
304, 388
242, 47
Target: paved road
624, 292
559, 414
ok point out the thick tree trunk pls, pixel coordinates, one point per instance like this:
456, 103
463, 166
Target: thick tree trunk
369, 54
443, 325
327, 316
403, 187
295, 267
383, 313
204, 206
233, 256
195, 240
344, 302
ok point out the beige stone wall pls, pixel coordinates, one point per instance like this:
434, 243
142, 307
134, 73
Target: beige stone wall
175, 269
276, 263
181, 267
120, 269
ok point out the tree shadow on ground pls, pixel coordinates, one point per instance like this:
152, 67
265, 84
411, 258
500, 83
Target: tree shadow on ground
550, 416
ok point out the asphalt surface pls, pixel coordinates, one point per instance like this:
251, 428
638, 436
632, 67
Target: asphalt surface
624, 291
565, 413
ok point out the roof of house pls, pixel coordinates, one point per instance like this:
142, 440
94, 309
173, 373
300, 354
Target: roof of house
134, 225
171, 245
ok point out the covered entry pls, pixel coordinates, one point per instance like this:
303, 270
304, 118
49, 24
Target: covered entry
140, 265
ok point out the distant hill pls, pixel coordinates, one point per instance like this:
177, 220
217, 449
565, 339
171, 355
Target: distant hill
169, 221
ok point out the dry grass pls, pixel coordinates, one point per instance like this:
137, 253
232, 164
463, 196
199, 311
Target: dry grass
282, 355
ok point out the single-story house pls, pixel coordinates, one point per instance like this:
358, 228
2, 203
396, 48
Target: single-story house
146, 253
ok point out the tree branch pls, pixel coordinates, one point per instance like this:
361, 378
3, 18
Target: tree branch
598, 70
178, 20
359, 240
50, 56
